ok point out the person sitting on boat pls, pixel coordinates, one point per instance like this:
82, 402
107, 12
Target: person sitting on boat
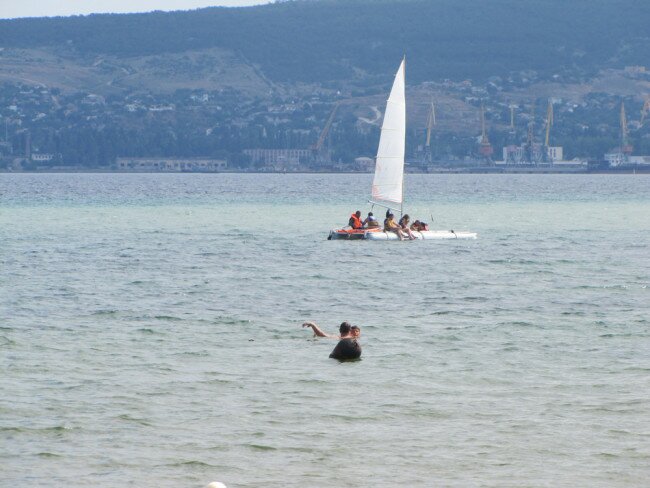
355, 220
371, 221
404, 224
391, 226
419, 226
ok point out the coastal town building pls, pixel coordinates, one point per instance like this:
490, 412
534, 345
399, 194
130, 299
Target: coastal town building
524, 154
171, 165
546, 158
42, 158
279, 158
365, 164
618, 158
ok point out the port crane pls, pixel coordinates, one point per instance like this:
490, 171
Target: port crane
645, 109
626, 147
317, 148
549, 122
512, 108
532, 152
431, 122
485, 148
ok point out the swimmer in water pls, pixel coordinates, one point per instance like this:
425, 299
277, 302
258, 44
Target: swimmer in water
348, 347
344, 330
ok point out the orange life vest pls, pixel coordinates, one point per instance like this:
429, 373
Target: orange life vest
355, 221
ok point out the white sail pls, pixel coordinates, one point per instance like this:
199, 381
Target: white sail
389, 167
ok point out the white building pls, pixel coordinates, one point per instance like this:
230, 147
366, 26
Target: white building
519, 154
279, 158
365, 163
617, 158
42, 158
171, 165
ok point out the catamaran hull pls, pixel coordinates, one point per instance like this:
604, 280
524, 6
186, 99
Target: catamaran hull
352, 234
391, 236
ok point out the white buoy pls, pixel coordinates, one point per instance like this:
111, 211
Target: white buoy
216, 484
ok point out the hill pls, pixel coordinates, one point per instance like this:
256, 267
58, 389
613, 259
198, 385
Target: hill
212, 82
326, 40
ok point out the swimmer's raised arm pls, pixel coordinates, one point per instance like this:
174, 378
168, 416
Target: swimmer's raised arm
317, 331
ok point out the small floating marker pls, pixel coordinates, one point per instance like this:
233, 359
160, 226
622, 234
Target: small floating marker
216, 484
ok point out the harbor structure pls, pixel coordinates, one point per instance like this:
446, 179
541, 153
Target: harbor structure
206, 165
622, 156
279, 159
522, 154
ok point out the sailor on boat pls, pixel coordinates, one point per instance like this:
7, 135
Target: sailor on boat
370, 221
404, 224
419, 226
355, 220
391, 226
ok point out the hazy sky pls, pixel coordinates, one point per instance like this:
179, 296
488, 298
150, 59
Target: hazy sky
47, 8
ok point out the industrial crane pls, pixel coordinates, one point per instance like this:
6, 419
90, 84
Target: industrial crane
485, 148
549, 122
431, 122
626, 147
512, 117
530, 137
319, 144
645, 109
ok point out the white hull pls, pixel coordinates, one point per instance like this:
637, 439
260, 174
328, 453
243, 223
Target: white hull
424, 235
391, 236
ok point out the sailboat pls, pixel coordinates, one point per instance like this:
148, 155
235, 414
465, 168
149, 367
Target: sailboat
388, 183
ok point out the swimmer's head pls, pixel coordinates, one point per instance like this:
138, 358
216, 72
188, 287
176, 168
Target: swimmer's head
344, 328
355, 330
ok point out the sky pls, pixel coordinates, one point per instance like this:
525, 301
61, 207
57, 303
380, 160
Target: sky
10, 9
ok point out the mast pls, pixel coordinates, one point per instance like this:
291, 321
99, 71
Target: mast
401, 205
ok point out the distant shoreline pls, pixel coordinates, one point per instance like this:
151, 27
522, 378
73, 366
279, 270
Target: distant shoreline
492, 171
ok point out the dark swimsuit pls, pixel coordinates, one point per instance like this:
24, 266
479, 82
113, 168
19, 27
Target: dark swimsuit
346, 349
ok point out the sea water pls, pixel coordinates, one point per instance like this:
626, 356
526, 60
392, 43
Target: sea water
151, 334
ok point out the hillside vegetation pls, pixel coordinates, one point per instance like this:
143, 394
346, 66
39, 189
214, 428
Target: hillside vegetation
213, 82
339, 39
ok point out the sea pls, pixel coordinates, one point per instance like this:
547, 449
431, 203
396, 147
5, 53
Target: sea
150, 333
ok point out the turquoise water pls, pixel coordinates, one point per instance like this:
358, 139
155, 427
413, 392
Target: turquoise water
151, 333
